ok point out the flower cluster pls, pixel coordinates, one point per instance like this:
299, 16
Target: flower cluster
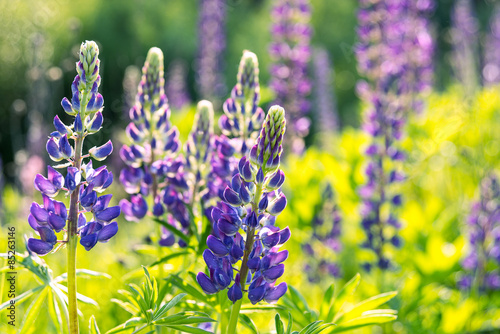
290, 52
483, 259
464, 33
388, 35
82, 182
153, 164
325, 104
325, 238
244, 223
211, 46
242, 115
176, 87
491, 68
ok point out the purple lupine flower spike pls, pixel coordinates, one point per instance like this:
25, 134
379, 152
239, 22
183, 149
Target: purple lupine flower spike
325, 239
464, 33
483, 226
176, 86
211, 47
154, 168
81, 181
248, 204
291, 52
243, 117
324, 96
394, 54
491, 68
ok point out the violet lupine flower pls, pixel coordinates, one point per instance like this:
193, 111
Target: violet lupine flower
325, 239
251, 203
491, 69
243, 117
86, 106
483, 260
152, 164
464, 33
211, 47
385, 36
290, 52
325, 102
176, 87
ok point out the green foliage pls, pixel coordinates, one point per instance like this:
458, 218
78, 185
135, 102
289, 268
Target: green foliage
145, 304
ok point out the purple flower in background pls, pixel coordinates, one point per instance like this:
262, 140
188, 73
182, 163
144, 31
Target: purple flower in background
153, 166
464, 33
251, 202
491, 69
211, 47
395, 56
324, 96
176, 86
290, 53
483, 259
325, 239
82, 182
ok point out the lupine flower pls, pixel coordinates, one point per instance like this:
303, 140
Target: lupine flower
290, 52
464, 33
325, 104
491, 69
481, 263
326, 234
82, 182
242, 115
211, 47
176, 87
154, 167
390, 32
244, 223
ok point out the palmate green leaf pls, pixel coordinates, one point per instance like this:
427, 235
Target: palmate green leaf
79, 296
22, 297
347, 290
249, 308
316, 327
127, 325
366, 305
189, 329
364, 320
248, 323
326, 305
168, 258
83, 273
165, 308
280, 329
184, 318
189, 289
54, 311
33, 311
132, 309
93, 328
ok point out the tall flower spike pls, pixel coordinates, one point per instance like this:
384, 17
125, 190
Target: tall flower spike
395, 33
211, 47
244, 225
89, 218
242, 115
484, 239
153, 165
290, 53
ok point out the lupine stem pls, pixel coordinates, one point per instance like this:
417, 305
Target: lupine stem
235, 311
72, 243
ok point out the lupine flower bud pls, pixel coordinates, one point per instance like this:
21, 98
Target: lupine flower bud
100, 153
268, 149
96, 123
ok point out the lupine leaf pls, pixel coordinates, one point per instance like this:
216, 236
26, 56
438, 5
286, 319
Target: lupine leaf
189, 329
33, 311
54, 311
93, 328
366, 305
164, 309
248, 323
326, 305
364, 320
189, 289
280, 329
168, 258
132, 322
346, 291
83, 273
80, 297
173, 230
22, 297
126, 306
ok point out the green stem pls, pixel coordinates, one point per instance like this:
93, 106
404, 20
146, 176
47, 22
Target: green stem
235, 311
73, 242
